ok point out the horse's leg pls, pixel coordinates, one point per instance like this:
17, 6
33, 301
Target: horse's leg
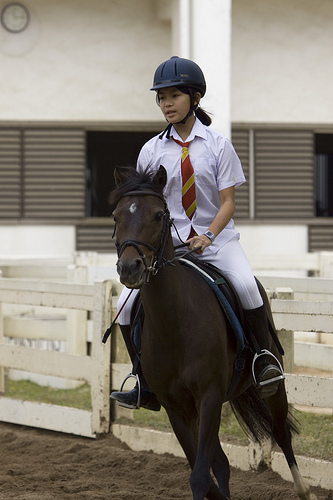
278, 406
201, 481
221, 468
187, 435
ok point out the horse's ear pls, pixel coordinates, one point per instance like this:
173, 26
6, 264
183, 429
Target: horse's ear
160, 177
122, 174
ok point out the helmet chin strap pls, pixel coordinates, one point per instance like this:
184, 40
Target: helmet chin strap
183, 121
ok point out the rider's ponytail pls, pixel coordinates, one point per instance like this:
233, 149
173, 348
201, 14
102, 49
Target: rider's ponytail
203, 116
200, 113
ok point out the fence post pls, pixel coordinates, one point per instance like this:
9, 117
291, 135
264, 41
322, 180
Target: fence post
286, 337
2, 369
260, 454
326, 264
101, 359
76, 321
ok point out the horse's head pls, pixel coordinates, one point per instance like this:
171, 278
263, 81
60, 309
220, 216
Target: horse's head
142, 223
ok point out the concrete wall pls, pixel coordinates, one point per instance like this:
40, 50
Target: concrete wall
266, 239
36, 240
282, 65
54, 240
94, 61
83, 61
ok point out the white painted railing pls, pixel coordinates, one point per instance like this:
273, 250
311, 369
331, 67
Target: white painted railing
93, 369
314, 312
292, 316
319, 264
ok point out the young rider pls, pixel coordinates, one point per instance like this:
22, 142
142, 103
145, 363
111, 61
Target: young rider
180, 84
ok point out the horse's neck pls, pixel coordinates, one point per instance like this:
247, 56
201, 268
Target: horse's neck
163, 296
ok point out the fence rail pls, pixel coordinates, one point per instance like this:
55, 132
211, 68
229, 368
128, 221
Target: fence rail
94, 368
96, 304
319, 264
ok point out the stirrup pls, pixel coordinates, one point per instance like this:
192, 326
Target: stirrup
137, 405
270, 381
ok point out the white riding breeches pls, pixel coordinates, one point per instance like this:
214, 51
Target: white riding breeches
232, 261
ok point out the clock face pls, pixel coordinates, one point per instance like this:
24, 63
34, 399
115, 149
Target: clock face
15, 17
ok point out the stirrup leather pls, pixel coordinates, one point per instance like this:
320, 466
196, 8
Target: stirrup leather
270, 381
137, 405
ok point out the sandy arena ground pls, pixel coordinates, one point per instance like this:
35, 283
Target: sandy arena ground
42, 465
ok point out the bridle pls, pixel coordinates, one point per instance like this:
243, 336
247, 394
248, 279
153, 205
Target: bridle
157, 261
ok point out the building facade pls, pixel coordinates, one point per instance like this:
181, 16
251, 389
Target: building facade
75, 102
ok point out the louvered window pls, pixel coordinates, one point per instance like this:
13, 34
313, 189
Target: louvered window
10, 173
284, 174
54, 173
95, 238
321, 237
42, 173
240, 140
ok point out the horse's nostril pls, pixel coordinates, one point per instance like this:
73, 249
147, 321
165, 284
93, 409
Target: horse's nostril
131, 268
135, 266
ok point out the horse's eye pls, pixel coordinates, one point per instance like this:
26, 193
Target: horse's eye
159, 216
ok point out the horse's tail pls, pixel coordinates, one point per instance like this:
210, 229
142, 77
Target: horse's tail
254, 416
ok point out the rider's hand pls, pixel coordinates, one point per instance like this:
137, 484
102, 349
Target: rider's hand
201, 241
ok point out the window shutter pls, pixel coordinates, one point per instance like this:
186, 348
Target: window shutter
10, 173
54, 173
95, 238
240, 140
284, 174
321, 237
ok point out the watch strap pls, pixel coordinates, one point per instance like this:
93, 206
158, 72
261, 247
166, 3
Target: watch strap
210, 235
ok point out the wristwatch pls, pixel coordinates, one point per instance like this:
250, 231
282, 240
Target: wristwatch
210, 235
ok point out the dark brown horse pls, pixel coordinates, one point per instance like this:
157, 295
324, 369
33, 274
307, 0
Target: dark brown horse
187, 348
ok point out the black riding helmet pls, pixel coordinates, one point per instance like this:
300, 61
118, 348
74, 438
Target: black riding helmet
179, 72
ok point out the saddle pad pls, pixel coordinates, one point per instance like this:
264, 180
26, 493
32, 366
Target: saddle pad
219, 284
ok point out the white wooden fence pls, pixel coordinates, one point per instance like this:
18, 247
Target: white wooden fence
93, 369
318, 264
310, 309
292, 315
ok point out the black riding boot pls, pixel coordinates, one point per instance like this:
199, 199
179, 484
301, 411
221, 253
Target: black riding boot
267, 371
132, 399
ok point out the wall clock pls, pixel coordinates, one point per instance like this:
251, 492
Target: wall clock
15, 17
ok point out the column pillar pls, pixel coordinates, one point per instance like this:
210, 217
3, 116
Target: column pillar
202, 32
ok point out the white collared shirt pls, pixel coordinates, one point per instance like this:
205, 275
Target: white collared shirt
216, 167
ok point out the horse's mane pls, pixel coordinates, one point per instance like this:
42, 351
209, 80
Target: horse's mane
132, 180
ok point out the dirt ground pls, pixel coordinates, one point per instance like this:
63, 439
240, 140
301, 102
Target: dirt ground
42, 465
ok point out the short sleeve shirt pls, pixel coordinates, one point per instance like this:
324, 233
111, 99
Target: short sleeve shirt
216, 167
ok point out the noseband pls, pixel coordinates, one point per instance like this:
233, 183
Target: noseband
159, 249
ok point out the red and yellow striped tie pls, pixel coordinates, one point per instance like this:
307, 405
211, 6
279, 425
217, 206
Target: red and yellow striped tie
188, 182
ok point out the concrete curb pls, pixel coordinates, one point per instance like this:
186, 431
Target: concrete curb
316, 472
